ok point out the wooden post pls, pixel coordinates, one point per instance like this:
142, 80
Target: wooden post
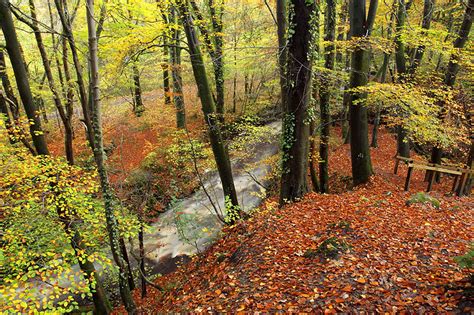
407, 181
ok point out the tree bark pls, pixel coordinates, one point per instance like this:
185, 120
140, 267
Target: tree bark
295, 147
83, 98
403, 146
52, 85
21, 76
281, 13
137, 93
219, 149
178, 96
360, 153
217, 27
99, 156
428, 9
325, 95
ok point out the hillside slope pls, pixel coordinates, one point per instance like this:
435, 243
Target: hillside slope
391, 256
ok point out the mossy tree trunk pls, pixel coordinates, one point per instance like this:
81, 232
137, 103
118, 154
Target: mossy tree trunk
219, 148
295, 147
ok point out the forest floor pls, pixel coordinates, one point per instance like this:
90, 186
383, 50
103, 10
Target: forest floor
365, 249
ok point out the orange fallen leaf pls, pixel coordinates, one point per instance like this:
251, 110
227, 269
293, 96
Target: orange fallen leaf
361, 280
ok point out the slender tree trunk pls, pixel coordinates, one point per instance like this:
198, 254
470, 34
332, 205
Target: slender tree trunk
178, 96
83, 98
137, 93
208, 107
428, 9
166, 74
325, 95
403, 145
360, 153
281, 13
142, 261
99, 156
52, 85
123, 249
346, 98
21, 76
341, 27
295, 147
216, 11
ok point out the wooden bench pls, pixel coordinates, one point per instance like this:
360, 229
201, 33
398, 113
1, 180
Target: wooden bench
436, 169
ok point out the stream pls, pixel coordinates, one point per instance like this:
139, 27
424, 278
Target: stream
190, 225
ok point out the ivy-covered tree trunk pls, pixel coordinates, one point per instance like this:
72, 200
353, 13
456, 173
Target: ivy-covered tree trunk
325, 95
99, 156
453, 66
295, 147
360, 153
21, 76
178, 96
61, 6
219, 148
403, 146
139, 108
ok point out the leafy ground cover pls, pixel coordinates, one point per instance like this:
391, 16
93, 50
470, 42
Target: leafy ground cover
367, 249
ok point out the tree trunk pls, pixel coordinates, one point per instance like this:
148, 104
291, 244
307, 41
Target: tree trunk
166, 74
137, 93
428, 9
341, 27
99, 156
217, 27
208, 107
61, 6
178, 96
360, 153
281, 12
52, 85
325, 95
295, 147
142, 261
403, 146
21, 76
